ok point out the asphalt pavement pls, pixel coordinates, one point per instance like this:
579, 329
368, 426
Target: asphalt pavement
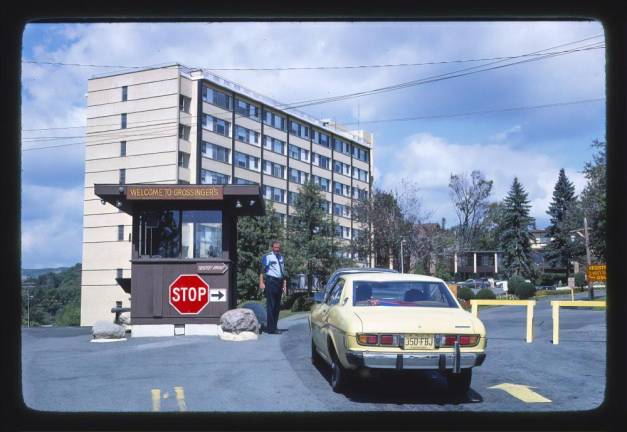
63, 371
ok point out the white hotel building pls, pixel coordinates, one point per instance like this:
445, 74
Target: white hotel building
172, 124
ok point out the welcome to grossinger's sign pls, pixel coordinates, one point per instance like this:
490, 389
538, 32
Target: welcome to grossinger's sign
174, 192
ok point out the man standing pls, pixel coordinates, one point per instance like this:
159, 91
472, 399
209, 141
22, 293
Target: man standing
273, 268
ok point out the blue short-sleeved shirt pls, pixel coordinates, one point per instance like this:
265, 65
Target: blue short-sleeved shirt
273, 265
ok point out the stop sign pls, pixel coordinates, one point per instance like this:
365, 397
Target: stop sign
189, 294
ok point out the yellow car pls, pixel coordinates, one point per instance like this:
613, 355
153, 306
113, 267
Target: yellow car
394, 321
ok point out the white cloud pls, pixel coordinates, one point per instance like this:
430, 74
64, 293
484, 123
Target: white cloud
429, 161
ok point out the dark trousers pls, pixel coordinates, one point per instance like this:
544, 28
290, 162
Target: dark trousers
274, 288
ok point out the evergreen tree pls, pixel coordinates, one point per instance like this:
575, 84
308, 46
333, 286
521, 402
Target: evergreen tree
255, 233
515, 237
564, 245
311, 244
594, 200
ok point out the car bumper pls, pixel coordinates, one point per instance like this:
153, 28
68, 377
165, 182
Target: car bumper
438, 361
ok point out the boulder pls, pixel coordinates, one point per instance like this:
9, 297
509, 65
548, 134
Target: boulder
107, 330
239, 320
237, 337
259, 311
125, 318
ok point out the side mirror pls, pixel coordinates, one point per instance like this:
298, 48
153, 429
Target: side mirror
319, 297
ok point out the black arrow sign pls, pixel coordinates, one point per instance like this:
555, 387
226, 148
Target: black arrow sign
219, 295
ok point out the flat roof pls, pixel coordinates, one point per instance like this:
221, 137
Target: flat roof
243, 200
221, 81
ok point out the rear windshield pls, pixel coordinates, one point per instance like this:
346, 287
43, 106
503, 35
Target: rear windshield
402, 293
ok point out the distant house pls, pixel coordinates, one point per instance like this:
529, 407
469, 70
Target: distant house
474, 264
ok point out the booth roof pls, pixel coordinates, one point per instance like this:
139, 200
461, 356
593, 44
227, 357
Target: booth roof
242, 200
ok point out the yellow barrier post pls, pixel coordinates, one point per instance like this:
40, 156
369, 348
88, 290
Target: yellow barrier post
529, 303
556, 304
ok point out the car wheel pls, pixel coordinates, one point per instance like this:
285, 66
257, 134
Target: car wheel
316, 360
340, 376
459, 384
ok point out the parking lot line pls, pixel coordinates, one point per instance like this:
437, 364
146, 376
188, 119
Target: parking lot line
156, 399
522, 392
180, 398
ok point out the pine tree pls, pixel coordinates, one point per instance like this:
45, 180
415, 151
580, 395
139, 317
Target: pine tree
594, 200
515, 237
564, 246
254, 235
311, 245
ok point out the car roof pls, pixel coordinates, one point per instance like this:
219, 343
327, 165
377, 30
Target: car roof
364, 270
381, 277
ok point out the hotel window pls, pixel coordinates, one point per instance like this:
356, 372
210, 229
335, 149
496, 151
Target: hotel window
273, 193
321, 138
246, 109
274, 145
184, 132
292, 197
122, 148
246, 135
216, 152
298, 153
299, 130
183, 159
341, 146
341, 168
184, 103
298, 176
360, 174
326, 206
274, 169
341, 210
274, 120
246, 161
122, 177
325, 184
342, 231
216, 125
120, 232
216, 97
123, 121
241, 181
124, 93
321, 161
359, 153
360, 193
211, 177
341, 189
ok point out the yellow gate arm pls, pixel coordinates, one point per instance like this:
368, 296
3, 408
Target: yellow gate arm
528, 303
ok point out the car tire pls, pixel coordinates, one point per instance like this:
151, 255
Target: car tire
459, 384
316, 360
340, 376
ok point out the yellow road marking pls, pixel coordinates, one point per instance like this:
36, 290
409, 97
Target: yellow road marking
180, 398
156, 400
522, 392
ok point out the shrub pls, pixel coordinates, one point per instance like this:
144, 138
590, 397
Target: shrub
465, 293
288, 301
486, 293
580, 279
302, 303
514, 283
525, 291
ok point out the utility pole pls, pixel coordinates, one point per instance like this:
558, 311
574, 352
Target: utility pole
28, 286
585, 234
402, 241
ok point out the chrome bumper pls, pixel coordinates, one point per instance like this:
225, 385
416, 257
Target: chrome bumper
439, 361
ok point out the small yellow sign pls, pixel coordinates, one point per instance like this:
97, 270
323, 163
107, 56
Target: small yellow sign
597, 273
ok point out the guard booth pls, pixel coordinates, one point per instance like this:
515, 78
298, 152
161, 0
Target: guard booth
184, 244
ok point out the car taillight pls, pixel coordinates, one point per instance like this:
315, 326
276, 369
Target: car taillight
464, 340
388, 340
368, 339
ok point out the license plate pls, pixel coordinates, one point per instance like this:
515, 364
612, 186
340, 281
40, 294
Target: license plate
419, 341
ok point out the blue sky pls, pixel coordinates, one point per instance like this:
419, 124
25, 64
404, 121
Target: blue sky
532, 144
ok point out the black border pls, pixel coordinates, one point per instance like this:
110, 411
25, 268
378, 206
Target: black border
610, 415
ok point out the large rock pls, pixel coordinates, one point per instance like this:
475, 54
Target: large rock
239, 320
259, 311
238, 337
125, 318
107, 330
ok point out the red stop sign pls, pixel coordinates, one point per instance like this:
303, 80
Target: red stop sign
189, 294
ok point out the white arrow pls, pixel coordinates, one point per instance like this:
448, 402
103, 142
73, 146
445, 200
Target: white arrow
522, 392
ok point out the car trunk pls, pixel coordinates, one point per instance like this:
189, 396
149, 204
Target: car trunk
386, 319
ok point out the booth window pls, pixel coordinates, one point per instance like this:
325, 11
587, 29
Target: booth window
180, 233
